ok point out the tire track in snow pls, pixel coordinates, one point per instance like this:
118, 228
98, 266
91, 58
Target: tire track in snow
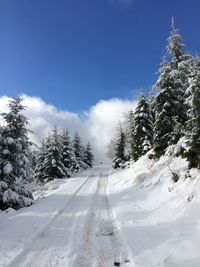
81, 234
101, 245
40, 252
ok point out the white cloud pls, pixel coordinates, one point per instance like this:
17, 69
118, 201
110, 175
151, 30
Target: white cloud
102, 120
97, 125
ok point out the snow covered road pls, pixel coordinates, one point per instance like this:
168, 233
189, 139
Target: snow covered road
104, 218
72, 227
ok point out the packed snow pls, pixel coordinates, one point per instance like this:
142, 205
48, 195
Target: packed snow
133, 217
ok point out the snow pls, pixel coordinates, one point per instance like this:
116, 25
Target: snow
8, 168
20, 229
10, 140
72, 226
137, 216
159, 219
10, 195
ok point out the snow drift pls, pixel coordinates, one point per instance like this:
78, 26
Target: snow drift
159, 218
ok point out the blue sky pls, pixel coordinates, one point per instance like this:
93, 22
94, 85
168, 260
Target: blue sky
72, 53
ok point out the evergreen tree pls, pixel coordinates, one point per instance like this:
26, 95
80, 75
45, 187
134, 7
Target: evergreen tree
53, 161
15, 165
169, 104
67, 152
88, 156
39, 168
190, 67
57, 158
78, 149
193, 125
143, 131
181, 65
120, 157
175, 46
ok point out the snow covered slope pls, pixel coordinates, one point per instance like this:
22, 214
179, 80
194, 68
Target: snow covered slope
159, 219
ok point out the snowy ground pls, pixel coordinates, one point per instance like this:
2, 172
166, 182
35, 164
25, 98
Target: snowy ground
73, 226
159, 219
137, 217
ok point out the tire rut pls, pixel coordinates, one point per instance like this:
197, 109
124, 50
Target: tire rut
100, 243
38, 254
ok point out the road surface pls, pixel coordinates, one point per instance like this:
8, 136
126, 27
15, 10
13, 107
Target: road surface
82, 233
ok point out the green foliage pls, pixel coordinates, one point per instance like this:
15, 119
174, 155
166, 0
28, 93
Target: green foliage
78, 148
15, 164
169, 104
120, 157
53, 161
193, 124
143, 131
66, 151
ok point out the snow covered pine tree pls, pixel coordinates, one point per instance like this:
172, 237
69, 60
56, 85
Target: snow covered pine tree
15, 166
143, 131
53, 166
169, 104
40, 168
67, 152
193, 124
120, 157
78, 161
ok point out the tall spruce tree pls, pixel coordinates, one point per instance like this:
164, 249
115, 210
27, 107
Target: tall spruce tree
120, 156
181, 64
67, 151
175, 46
40, 168
192, 64
15, 165
169, 104
164, 111
193, 124
78, 149
143, 131
53, 166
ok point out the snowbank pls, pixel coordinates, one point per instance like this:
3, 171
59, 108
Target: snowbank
158, 218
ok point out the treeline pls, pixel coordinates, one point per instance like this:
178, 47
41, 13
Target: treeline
22, 162
170, 112
59, 156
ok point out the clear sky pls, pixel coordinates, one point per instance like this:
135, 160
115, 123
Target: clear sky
72, 53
